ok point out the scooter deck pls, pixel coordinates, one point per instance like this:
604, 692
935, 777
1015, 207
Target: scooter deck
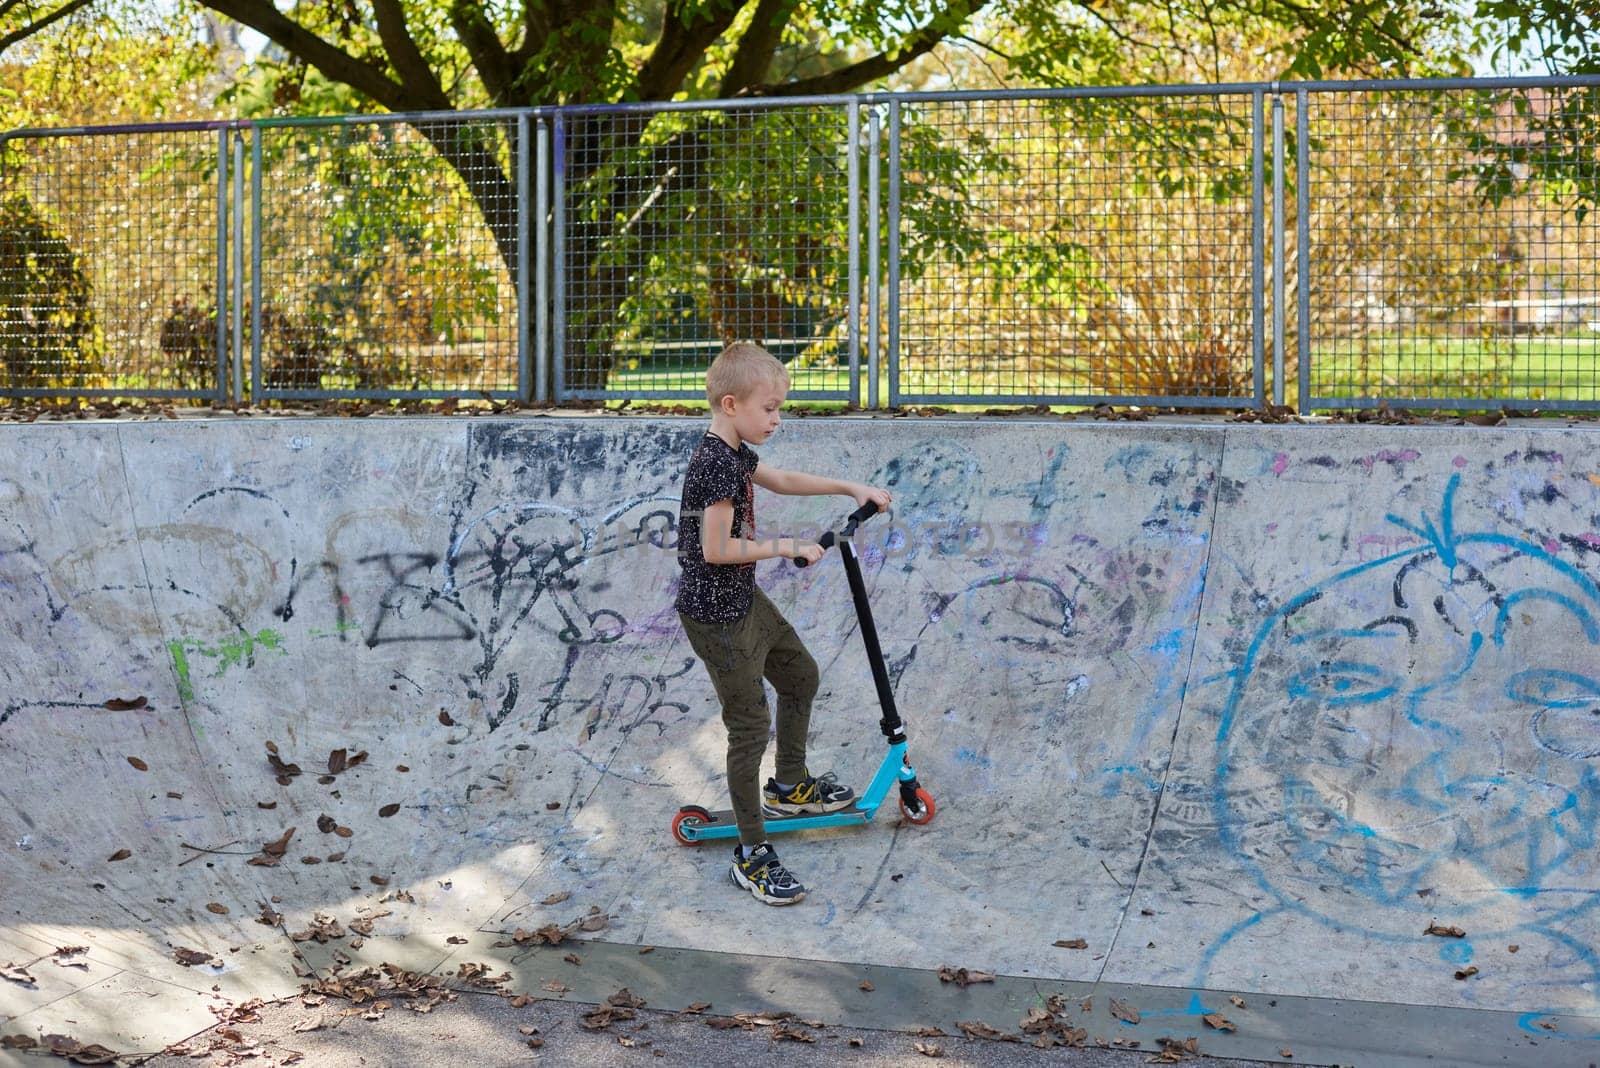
721, 822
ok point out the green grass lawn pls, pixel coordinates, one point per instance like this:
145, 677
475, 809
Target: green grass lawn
1545, 368
1549, 370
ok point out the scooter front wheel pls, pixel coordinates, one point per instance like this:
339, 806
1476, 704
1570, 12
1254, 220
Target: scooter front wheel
689, 816
925, 810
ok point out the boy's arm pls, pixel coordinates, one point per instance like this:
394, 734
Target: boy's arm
798, 483
719, 546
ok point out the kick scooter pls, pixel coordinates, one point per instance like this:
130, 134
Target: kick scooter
693, 824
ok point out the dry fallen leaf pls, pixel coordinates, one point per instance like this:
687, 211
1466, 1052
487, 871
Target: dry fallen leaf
1512, 948
218, 908
190, 957
17, 973
699, 1006
556, 987
139, 764
1468, 972
122, 704
556, 898
964, 976
572, 958
1071, 943
866, 984
1216, 1021
520, 1001
1124, 1011
1444, 932
121, 854
929, 1049
1286, 1053
388, 810
444, 718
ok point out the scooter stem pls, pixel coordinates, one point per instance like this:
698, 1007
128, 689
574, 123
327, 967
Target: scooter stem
890, 724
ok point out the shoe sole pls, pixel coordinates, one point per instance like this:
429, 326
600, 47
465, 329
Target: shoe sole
755, 891
814, 808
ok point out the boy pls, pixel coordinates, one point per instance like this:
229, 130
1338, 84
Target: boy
735, 630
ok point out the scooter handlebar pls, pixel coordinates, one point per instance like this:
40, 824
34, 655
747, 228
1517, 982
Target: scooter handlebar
828, 540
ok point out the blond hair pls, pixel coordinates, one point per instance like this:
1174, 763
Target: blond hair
739, 370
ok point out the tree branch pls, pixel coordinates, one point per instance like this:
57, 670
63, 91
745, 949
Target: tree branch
32, 28
496, 66
757, 47
686, 32
334, 62
883, 64
415, 73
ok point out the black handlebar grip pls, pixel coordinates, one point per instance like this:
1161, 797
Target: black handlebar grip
826, 541
865, 512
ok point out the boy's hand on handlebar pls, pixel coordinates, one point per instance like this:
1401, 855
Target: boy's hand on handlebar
809, 551
864, 493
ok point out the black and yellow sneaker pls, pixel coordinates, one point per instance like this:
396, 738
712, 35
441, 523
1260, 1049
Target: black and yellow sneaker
764, 876
814, 793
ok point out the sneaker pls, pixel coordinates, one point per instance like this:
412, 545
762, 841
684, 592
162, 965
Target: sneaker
765, 876
822, 793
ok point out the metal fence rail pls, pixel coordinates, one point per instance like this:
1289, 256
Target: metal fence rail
1423, 244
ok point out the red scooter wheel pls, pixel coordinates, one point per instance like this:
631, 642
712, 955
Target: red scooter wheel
924, 799
689, 816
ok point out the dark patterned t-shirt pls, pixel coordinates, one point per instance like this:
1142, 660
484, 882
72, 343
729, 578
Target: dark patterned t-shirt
716, 593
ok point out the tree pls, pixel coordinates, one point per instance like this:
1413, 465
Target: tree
631, 179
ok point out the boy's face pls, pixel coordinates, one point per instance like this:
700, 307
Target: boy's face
757, 415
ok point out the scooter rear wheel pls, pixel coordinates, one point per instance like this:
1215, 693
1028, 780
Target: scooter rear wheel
924, 799
689, 816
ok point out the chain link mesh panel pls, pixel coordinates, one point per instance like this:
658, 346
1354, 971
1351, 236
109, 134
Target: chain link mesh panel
388, 258
684, 231
108, 264
1078, 250
1453, 248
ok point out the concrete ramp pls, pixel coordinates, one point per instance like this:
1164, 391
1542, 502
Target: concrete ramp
1244, 709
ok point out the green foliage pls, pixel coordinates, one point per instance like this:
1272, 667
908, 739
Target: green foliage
49, 337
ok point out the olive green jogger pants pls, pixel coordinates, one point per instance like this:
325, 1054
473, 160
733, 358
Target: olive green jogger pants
738, 656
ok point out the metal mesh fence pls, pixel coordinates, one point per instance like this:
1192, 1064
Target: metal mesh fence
387, 259
682, 231
1080, 249
1438, 249
109, 261
1453, 247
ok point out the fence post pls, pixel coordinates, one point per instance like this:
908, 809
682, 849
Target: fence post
873, 134
524, 228
1258, 357
853, 126
894, 253
541, 277
255, 263
237, 311
220, 393
1279, 268
1302, 199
